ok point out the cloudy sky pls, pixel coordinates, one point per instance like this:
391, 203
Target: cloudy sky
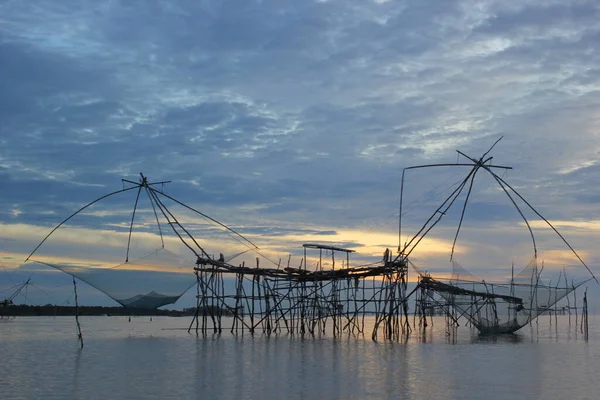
291, 121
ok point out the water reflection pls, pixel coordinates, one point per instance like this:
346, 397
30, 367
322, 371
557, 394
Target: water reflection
142, 360
501, 338
76, 373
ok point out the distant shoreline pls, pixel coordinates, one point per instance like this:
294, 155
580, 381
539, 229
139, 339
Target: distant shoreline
18, 310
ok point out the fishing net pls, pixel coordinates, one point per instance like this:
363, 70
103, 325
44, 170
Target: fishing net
501, 307
129, 224
149, 282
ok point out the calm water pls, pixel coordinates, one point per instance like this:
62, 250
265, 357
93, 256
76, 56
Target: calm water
143, 359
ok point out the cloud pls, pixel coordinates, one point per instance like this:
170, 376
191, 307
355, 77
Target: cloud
289, 119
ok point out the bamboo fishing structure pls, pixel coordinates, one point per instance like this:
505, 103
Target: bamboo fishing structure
321, 297
300, 301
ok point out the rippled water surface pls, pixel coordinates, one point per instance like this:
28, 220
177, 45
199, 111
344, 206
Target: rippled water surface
158, 359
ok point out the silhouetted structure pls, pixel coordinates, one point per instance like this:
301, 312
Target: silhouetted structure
315, 300
303, 301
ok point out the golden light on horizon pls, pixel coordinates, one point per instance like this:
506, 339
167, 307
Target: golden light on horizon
105, 248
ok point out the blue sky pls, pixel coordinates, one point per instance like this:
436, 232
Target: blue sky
292, 121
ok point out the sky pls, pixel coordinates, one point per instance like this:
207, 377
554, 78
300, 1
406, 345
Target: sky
292, 121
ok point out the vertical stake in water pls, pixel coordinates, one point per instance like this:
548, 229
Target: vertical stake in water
584, 317
79, 335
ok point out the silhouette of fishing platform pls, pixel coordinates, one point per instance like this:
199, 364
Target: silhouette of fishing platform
325, 294
304, 301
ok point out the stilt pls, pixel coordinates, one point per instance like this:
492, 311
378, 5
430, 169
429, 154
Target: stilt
79, 335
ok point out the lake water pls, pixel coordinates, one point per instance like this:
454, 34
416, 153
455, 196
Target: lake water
143, 359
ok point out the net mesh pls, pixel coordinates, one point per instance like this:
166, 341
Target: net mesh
502, 307
129, 225
155, 280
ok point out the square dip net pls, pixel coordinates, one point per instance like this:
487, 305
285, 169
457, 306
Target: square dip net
501, 307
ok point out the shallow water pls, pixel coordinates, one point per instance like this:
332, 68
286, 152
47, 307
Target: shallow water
158, 359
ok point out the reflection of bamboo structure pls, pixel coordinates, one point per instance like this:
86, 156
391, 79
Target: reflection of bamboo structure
302, 301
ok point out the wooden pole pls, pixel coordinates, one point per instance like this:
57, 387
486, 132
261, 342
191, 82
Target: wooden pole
79, 335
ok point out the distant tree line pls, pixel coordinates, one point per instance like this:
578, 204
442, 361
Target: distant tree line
23, 310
